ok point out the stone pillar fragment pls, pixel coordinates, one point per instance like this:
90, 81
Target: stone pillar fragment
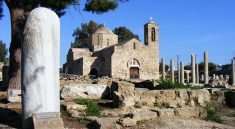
187, 77
181, 72
172, 74
233, 71
193, 73
163, 69
40, 64
197, 74
206, 73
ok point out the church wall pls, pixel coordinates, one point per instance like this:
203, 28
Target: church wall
146, 56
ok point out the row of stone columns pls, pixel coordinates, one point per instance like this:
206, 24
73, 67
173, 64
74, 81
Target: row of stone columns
194, 70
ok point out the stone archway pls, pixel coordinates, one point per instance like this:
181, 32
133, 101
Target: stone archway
94, 72
134, 69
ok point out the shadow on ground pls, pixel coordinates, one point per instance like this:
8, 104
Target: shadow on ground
10, 118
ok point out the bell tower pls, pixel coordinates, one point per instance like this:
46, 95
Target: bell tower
151, 34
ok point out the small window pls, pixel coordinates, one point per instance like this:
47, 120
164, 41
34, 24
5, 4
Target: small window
134, 46
153, 35
107, 42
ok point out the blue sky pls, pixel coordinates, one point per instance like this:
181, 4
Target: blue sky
185, 26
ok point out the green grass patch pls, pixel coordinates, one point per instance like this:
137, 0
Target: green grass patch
93, 109
137, 105
167, 84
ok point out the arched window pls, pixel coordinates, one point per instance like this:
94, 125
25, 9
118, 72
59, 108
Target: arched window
134, 46
153, 36
133, 63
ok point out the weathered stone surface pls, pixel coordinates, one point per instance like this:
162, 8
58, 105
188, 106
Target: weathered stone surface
49, 120
90, 91
14, 95
201, 97
165, 112
121, 86
187, 112
125, 99
125, 122
145, 115
40, 64
104, 123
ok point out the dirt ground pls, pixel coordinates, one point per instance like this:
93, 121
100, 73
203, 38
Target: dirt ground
10, 118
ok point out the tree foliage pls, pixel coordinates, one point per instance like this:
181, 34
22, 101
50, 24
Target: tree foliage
124, 34
82, 36
3, 51
166, 67
211, 66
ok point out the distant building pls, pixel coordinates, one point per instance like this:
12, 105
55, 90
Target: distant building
127, 60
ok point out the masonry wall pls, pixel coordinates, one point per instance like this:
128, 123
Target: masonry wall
146, 55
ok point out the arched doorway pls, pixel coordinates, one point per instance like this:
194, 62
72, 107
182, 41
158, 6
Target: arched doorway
134, 69
94, 72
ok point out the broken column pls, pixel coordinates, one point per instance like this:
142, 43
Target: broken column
206, 68
163, 69
181, 72
233, 70
193, 73
40, 64
172, 74
197, 74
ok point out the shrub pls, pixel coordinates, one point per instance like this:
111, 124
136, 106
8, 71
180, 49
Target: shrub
212, 115
167, 84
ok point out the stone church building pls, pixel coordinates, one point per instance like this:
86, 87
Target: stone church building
105, 56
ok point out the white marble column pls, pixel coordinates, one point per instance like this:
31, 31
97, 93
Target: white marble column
206, 73
193, 73
233, 70
40, 64
181, 72
163, 69
197, 74
172, 74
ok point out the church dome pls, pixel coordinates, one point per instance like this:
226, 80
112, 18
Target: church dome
103, 30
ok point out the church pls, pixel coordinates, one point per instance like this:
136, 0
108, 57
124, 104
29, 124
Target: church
105, 56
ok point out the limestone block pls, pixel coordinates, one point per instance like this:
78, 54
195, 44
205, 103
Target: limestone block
201, 96
187, 112
89, 91
127, 122
123, 99
40, 64
145, 115
14, 95
49, 120
121, 86
165, 112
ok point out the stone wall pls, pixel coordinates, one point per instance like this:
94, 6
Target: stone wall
167, 98
146, 55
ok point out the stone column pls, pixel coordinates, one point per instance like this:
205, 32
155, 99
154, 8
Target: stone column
233, 70
193, 73
40, 64
187, 76
172, 74
206, 73
181, 72
163, 69
197, 74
